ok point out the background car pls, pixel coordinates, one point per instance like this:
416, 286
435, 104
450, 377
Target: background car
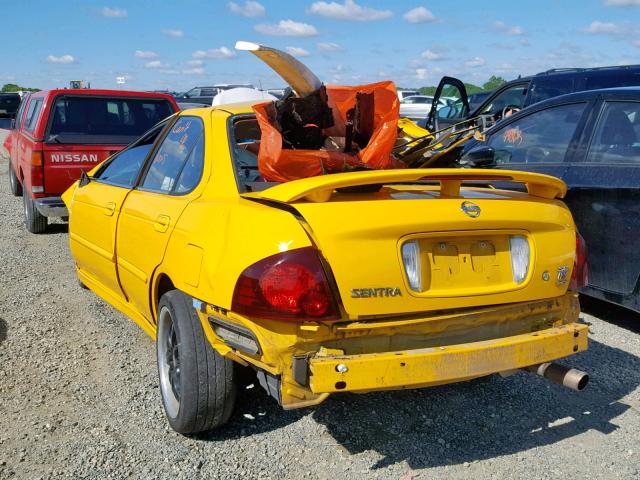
58, 134
204, 95
402, 94
591, 140
9, 103
526, 91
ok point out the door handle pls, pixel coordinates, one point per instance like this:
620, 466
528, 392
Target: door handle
162, 223
109, 208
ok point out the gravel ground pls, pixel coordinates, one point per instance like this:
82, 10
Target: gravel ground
79, 399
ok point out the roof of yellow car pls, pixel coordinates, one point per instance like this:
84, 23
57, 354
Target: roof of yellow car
232, 108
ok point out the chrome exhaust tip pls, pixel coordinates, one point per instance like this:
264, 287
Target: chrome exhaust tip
569, 377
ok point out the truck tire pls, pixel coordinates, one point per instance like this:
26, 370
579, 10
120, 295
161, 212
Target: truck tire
197, 384
33, 219
14, 183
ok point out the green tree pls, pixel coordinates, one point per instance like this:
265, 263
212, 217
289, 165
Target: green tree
12, 87
493, 83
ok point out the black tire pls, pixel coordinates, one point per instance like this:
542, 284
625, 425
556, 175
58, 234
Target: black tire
14, 183
197, 384
33, 219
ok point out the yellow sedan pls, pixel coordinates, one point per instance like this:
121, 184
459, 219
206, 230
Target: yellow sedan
361, 281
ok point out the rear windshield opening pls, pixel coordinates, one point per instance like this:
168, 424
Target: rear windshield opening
102, 120
245, 144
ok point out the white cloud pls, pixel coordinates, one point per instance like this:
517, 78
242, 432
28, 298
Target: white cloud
194, 71
287, 28
635, 43
297, 52
195, 63
215, 53
171, 32
113, 12
432, 55
329, 47
605, 28
419, 15
250, 9
622, 3
145, 54
349, 10
155, 64
61, 59
514, 30
421, 73
475, 62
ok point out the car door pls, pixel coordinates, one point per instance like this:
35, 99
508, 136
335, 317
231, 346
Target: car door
454, 94
95, 207
152, 209
540, 141
604, 197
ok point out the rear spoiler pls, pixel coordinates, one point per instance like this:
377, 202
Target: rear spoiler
320, 188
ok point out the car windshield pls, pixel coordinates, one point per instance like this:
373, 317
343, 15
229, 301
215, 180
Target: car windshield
96, 120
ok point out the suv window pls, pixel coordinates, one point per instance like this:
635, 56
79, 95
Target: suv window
9, 103
91, 120
177, 165
540, 137
511, 97
550, 86
194, 92
610, 80
124, 167
32, 114
617, 135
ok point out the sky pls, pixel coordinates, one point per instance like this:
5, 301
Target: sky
162, 44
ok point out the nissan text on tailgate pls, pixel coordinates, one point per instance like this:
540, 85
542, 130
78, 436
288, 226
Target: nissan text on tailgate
58, 134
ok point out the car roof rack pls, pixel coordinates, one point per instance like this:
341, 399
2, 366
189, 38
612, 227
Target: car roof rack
589, 69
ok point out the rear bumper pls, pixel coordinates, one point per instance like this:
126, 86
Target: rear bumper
51, 207
452, 363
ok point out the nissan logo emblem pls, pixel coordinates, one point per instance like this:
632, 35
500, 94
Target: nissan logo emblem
470, 209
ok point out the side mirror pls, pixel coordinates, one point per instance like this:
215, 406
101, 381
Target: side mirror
481, 157
84, 179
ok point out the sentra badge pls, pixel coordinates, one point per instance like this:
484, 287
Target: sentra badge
375, 292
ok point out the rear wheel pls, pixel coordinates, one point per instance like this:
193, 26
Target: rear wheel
197, 384
33, 219
14, 183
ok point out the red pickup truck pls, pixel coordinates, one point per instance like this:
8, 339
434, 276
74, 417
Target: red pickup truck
58, 134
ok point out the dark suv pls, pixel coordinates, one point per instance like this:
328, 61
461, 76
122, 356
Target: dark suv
522, 92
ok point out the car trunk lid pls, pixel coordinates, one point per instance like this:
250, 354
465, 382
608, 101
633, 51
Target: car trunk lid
463, 236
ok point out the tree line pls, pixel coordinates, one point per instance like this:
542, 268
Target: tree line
12, 87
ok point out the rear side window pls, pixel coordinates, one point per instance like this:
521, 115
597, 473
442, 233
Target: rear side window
32, 114
551, 86
611, 80
540, 137
123, 168
177, 164
93, 120
617, 136
9, 104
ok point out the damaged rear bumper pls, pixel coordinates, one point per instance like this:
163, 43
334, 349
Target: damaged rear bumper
447, 364
301, 364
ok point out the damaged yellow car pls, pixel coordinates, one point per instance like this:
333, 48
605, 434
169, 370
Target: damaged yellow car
349, 282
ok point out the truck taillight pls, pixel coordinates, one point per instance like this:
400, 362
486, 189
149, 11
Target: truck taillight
287, 286
580, 275
36, 158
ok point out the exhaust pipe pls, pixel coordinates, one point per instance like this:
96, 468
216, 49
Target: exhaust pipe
568, 377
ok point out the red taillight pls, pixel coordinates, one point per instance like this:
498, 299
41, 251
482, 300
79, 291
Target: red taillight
580, 275
287, 286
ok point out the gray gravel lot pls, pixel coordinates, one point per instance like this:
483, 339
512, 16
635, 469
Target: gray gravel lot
79, 399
